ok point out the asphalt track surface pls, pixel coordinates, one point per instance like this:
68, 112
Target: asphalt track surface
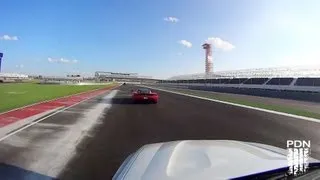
125, 127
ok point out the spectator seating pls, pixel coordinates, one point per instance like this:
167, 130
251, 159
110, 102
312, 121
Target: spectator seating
256, 81
308, 82
280, 81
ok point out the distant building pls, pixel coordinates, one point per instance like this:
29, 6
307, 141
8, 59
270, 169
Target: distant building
115, 76
73, 75
12, 77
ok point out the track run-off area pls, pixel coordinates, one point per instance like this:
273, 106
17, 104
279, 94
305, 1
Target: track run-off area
90, 139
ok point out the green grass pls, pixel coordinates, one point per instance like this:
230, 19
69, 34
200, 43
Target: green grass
235, 100
14, 95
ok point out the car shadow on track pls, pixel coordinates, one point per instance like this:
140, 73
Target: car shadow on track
121, 100
126, 100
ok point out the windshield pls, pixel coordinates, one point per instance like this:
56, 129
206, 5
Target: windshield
221, 89
144, 91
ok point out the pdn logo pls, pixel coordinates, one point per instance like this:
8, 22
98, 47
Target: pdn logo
298, 155
298, 144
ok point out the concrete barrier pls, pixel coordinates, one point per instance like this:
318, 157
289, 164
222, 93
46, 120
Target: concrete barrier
282, 94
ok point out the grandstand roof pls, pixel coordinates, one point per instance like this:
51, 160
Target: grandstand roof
257, 73
12, 75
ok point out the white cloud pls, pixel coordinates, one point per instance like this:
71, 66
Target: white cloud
8, 38
220, 44
185, 43
171, 19
20, 66
63, 61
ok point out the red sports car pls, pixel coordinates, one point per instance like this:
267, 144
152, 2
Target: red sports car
144, 95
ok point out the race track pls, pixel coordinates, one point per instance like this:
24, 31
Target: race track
124, 127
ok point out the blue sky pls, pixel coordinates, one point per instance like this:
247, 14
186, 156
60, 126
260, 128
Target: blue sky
133, 35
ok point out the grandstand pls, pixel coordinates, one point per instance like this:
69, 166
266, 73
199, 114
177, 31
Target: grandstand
300, 71
12, 77
290, 82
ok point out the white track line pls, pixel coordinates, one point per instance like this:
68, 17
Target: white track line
243, 106
35, 122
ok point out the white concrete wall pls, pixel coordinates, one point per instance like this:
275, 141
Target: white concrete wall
252, 86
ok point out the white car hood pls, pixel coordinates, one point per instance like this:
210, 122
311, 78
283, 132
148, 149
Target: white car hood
201, 160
